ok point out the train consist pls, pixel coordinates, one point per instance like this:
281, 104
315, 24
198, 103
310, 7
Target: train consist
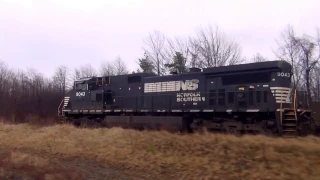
254, 97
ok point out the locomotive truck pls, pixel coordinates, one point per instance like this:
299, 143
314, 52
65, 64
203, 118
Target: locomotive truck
244, 98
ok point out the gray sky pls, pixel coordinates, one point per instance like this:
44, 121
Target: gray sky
44, 34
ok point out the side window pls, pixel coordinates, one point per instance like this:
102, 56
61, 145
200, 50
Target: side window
78, 86
106, 80
134, 79
81, 86
99, 81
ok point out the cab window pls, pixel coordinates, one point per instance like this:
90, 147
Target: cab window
80, 86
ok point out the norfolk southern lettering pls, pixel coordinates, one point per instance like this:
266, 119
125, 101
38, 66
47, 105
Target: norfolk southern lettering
190, 97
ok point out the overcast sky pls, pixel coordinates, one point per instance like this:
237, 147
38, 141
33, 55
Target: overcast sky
44, 34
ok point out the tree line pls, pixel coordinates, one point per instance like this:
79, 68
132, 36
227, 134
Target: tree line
211, 48
28, 92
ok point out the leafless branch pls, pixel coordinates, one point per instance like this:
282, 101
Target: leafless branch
120, 67
155, 49
107, 69
215, 49
258, 58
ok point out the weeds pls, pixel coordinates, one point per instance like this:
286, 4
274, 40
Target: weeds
191, 156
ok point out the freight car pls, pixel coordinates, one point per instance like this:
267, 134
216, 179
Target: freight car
253, 97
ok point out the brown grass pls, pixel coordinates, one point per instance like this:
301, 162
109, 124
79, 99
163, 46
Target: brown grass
211, 156
19, 165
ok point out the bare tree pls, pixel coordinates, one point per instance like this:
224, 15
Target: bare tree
315, 81
77, 74
177, 44
309, 57
289, 51
258, 58
24, 93
84, 71
3, 76
88, 71
155, 49
303, 52
107, 69
120, 67
208, 48
61, 79
193, 49
215, 49
3, 87
185, 48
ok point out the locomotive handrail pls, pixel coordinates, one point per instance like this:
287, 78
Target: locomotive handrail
281, 114
294, 103
59, 112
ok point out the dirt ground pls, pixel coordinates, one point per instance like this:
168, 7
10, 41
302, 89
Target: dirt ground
30, 164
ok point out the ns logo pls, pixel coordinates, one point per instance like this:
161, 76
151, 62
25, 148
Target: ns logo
171, 86
80, 94
189, 85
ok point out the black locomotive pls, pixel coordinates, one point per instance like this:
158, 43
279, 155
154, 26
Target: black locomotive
254, 97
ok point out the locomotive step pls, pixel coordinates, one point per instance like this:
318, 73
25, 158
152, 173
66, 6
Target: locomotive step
289, 119
290, 124
289, 131
289, 114
289, 128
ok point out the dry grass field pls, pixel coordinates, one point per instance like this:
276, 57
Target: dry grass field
66, 152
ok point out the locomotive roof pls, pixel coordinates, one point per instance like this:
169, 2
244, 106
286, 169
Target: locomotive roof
94, 78
279, 64
247, 67
84, 79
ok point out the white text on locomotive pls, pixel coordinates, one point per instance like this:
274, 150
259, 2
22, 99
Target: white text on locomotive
170, 86
283, 74
80, 93
190, 97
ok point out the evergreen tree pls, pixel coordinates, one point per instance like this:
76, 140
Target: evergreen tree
146, 64
178, 63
